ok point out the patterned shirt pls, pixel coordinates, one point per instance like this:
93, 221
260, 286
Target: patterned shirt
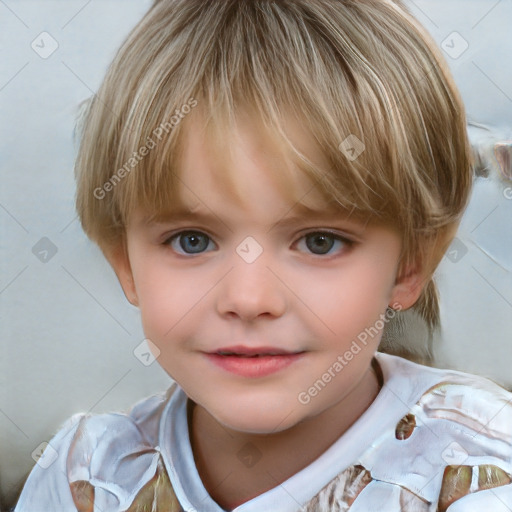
433, 440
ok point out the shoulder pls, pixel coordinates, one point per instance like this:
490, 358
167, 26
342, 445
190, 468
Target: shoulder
138, 425
107, 459
453, 443
470, 401
117, 453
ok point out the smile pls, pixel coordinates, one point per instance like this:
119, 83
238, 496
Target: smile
253, 362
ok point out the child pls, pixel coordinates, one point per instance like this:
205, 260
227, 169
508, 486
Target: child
256, 128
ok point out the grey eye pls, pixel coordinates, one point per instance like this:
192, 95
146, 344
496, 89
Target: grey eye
321, 242
190, 242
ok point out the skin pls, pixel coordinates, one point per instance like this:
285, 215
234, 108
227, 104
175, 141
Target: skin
313, 298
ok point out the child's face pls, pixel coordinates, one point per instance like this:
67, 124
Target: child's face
302, 302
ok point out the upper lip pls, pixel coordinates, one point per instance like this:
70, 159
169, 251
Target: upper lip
241, 350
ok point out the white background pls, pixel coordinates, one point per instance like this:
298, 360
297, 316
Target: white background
67, 332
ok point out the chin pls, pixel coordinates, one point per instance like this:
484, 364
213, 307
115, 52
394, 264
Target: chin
257, 420
255, 425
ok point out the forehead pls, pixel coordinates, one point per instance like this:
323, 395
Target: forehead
273, 169
249, 163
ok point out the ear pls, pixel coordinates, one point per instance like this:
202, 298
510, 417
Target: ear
120, 262
408, 286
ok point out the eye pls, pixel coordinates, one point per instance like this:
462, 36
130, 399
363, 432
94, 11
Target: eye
190, 242
317, 242
321, 242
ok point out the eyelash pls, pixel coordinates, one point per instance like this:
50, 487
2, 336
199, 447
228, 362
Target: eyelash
335, 236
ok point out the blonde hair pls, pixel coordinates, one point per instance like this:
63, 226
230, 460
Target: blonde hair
346, 68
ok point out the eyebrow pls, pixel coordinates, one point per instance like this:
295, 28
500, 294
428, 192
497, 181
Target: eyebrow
306, 213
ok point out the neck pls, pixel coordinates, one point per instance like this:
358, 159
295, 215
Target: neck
238, 466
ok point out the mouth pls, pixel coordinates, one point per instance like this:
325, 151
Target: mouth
253, 361
241, 351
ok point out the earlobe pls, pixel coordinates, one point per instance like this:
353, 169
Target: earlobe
120, 262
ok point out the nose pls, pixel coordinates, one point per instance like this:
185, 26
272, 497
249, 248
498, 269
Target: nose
251, 290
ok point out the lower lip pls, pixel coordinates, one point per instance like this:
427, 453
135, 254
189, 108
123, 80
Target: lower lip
254, 366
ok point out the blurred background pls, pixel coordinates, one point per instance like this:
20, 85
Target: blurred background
70, 340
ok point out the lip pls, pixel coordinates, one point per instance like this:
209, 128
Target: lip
253, 361
242, 350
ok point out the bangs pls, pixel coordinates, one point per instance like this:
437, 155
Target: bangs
157, 183
346, 71
266, 58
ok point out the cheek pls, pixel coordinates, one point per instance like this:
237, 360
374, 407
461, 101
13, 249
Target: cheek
347, 300
158, 293
168, 297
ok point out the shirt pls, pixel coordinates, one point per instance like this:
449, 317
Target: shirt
432, 440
